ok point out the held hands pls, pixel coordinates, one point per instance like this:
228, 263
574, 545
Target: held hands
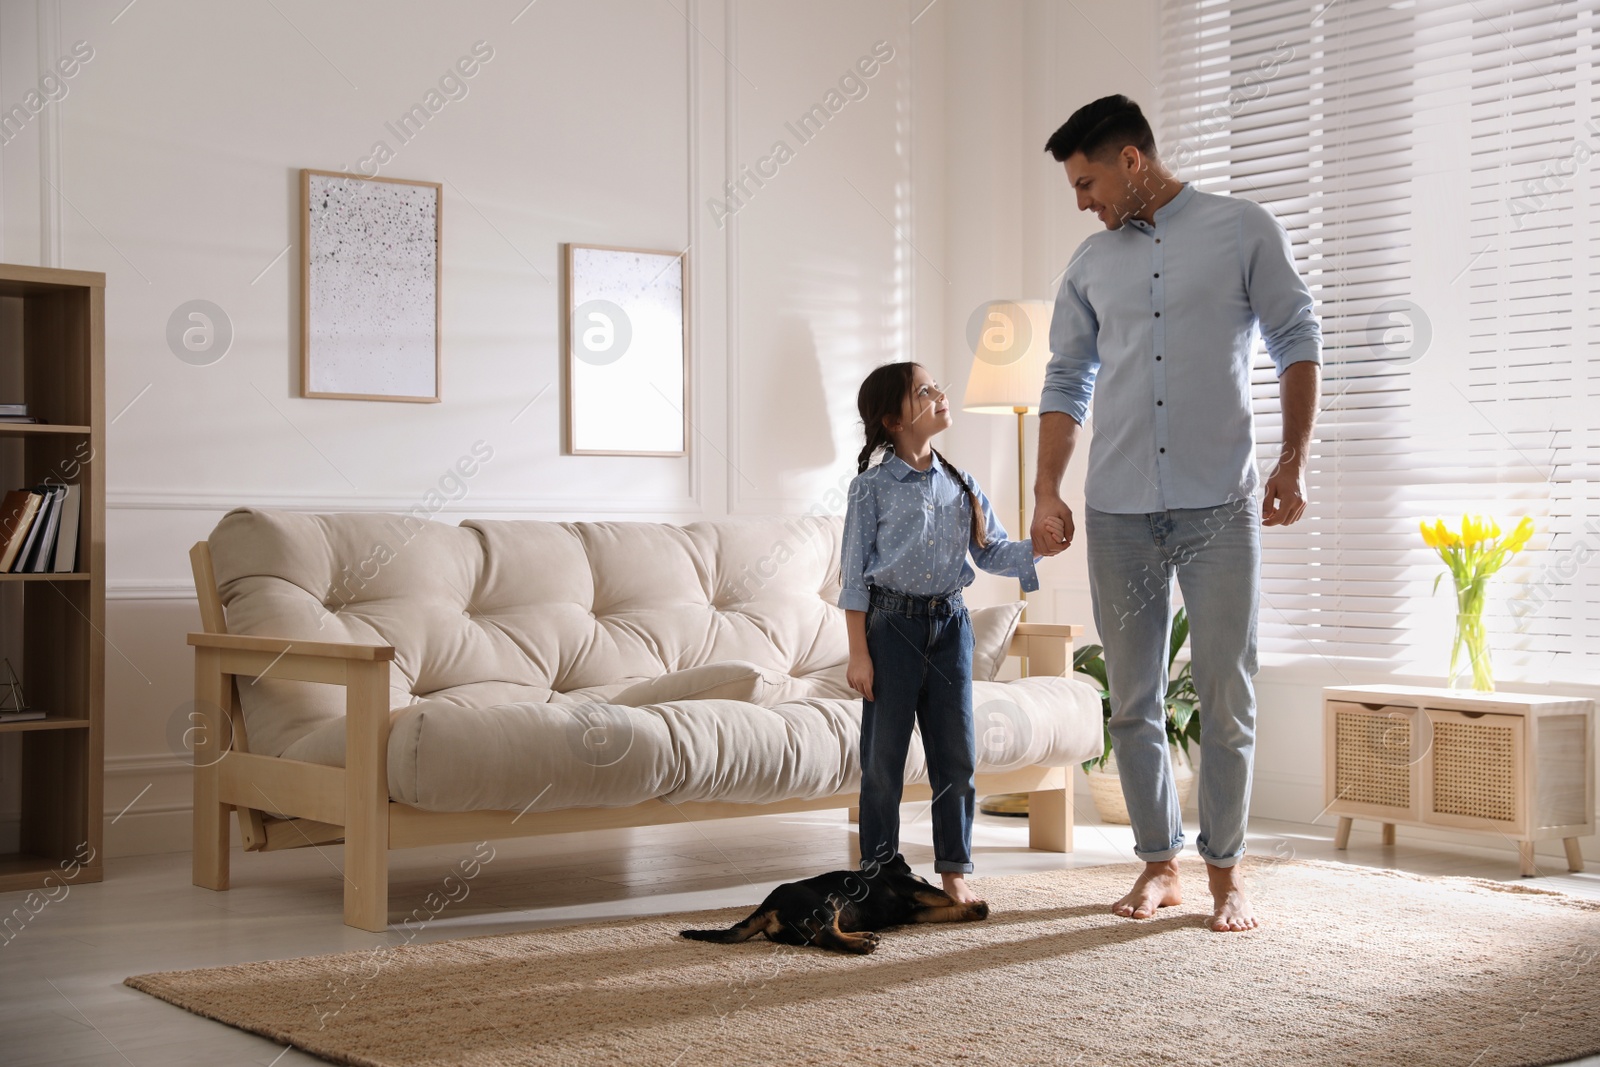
1053, 528
859, 673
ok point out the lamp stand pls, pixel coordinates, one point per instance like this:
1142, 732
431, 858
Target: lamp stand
1015, 804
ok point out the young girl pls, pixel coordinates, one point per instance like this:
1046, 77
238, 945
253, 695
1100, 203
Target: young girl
909, 525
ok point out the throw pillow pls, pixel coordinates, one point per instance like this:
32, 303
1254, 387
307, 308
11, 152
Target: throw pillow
992, 629
726, 680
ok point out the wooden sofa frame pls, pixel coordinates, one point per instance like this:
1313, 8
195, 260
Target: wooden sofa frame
322, 804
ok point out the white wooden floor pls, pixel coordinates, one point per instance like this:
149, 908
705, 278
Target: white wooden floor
62, 1002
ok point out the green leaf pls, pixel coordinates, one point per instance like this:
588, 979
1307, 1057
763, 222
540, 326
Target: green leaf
1180, 634
1090, 660
1182, 712
1436, 579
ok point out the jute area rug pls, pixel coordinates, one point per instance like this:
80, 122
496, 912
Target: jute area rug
1353, 966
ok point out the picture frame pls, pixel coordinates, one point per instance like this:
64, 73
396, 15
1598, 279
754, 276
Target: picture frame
370, 287
625, 351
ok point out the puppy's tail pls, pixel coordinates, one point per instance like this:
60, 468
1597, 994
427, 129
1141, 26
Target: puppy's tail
757, 923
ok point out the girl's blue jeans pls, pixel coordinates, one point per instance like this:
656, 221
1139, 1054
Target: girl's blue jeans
1215, 554
921, 649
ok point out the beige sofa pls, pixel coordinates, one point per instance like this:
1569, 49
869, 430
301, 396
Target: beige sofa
393, 682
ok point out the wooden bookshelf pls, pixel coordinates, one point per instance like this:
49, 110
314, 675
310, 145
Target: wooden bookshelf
52, 626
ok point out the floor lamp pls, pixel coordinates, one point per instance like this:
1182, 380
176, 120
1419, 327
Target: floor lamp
1010, 341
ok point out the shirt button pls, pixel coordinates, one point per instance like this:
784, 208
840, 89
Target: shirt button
1163, 451
1158, 404
1158, 359
1158, 240
1158, 314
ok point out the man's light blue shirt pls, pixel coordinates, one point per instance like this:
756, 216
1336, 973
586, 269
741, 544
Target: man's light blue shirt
1158, 323
909, 531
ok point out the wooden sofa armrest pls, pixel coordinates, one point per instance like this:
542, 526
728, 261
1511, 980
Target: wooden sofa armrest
221, 785
298, 646
1045, 647
363, 670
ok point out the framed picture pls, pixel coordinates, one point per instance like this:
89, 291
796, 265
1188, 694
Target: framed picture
369, 287
626, 352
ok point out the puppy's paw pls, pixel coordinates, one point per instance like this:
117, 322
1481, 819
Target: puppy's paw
867, 948
871, 936
977, 911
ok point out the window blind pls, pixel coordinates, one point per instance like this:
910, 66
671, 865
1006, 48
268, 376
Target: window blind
1392, 141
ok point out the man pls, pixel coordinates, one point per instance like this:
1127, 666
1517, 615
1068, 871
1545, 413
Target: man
1162, 308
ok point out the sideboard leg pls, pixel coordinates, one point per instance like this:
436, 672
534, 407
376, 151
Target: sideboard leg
1388, 833
852, 814
1574, 854
1525, 858
1341, 836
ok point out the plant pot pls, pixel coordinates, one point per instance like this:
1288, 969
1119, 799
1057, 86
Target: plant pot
1106, 787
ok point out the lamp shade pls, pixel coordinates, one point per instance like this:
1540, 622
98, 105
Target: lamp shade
1010, 342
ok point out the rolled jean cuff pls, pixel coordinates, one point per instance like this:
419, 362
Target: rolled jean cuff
1159, 857
1223, 861
951, 867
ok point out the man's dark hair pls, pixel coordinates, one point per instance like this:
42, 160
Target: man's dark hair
1103, 127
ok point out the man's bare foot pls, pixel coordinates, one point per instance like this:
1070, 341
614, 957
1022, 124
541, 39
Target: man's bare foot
955, 883
1156, 888
1231, 910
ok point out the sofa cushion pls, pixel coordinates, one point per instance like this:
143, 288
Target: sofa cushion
583, 753
992, 629
729, 680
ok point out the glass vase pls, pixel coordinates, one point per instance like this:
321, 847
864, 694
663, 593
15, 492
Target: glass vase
1471, 638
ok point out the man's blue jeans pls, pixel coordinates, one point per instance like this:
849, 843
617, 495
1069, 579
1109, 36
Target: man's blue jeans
921, 674
1215, 553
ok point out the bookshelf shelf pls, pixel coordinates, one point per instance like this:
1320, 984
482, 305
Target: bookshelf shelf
48, 576
49, 722
30, 429
23, 870
52, 358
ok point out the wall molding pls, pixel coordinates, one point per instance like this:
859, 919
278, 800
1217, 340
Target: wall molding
474, 504
48, 28
144, 765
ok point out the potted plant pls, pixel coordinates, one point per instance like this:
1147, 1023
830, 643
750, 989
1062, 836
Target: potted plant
1183, 724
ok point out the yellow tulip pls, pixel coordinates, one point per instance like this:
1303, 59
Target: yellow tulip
1471, 530
1494, 527
1446, 536
1428, 537
1521, 535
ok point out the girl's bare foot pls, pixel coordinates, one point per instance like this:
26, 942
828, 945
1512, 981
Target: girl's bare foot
955, 883
1231, 908
1156, 887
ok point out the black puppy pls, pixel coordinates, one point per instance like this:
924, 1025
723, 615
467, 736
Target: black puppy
841, 909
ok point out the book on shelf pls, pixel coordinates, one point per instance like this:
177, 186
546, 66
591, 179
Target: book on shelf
20, 716
13, 409
16, 519
39, 527
20, 418
48, 521
67, 540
